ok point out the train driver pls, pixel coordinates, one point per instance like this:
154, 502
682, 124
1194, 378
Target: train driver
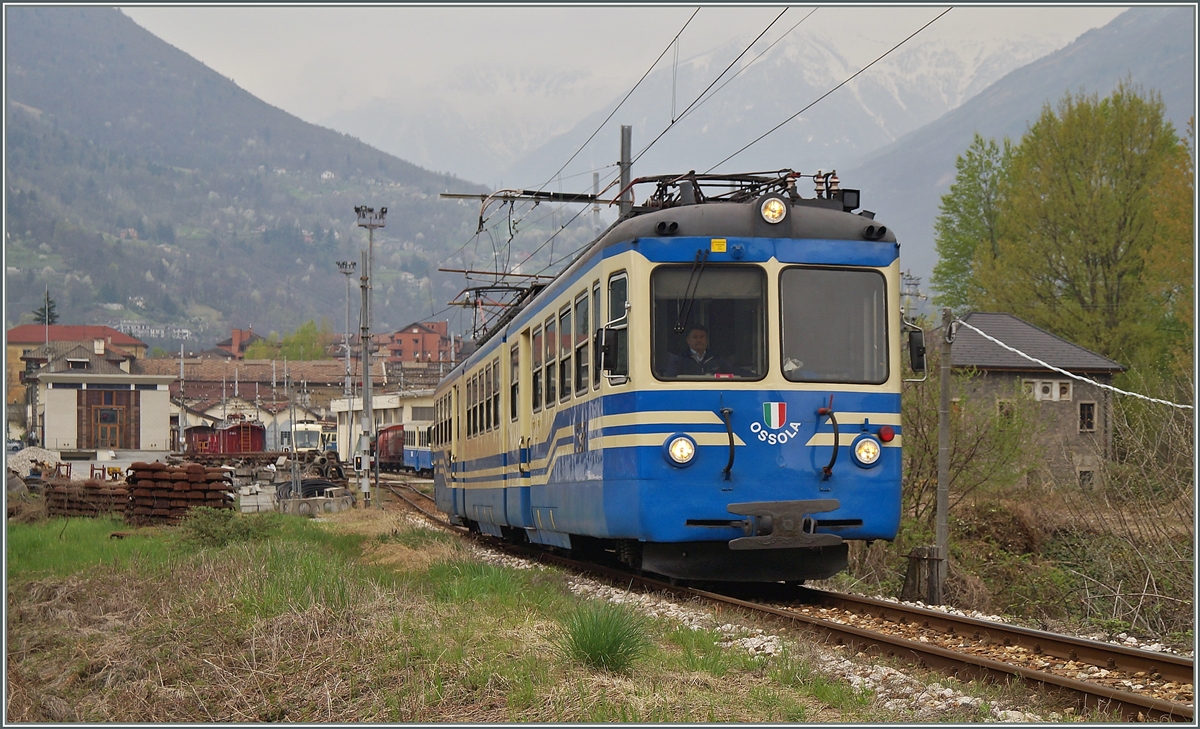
699, 359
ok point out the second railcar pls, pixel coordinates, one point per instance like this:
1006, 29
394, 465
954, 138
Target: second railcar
389, 448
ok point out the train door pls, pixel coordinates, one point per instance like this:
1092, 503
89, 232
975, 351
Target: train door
457, 448
520, 416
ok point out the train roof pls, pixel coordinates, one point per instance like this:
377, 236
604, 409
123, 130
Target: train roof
723, 205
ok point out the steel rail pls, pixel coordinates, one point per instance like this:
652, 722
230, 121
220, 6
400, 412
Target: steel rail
1130, 706
1179, 669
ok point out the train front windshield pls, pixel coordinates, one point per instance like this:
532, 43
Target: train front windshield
308, 439
724, 307
834, 325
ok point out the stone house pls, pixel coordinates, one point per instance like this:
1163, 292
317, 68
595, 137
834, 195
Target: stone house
1076, 414
24, 339
84, 399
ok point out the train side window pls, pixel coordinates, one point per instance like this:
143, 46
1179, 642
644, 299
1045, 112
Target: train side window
514, 371
581, 343
551, 350
537, 370
468, 389
478, 403
471, 408
615, 336
496, 393
489, 389
596, 349
564, 352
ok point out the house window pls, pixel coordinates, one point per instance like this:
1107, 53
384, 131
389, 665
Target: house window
1049, 390
1004, 408
1087, 417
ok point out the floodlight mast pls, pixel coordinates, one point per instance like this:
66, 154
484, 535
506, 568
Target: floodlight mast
347, 269
370, 219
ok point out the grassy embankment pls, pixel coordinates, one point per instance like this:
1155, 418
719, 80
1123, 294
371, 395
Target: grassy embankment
366, 619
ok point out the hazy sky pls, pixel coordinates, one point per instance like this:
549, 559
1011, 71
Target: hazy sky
565, 61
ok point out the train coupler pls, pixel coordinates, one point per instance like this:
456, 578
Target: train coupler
783, 524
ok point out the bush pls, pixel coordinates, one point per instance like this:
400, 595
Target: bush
605, 636
207, 527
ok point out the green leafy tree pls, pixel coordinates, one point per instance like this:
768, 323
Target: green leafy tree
1077, 209
308, 342
970, 218
1169, 261
47, 313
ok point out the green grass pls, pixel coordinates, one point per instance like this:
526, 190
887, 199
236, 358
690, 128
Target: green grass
64, 546
604, 636
789, 672
207, 527
311, 630
416, 538
294, 577
465, 582
700, 651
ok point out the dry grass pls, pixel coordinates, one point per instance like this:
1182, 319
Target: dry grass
175, 645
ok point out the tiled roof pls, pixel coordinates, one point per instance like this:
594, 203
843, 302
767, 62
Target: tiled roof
56, 355
972, 350
314, 372
36, 334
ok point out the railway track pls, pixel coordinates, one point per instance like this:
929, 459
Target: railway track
1135, 684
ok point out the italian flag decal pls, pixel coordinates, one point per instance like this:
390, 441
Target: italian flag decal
774, 414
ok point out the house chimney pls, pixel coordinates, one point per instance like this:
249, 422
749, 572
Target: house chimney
98, 347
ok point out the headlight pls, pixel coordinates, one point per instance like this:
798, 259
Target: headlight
773, 210
680, 450
867, 451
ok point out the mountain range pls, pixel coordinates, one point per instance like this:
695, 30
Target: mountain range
763, 84
144, 186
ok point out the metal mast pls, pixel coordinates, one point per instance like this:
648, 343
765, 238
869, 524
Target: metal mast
370, 219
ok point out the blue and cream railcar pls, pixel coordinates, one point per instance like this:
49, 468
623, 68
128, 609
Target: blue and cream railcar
571, 425
417, 455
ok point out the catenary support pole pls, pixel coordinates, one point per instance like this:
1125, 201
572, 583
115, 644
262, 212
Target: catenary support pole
626, 154
943, 462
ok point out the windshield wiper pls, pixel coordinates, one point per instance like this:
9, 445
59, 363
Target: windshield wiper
684, 313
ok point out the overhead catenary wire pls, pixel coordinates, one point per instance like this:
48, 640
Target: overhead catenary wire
675, 121
1061, 371
754, 60
583, 146
827, 93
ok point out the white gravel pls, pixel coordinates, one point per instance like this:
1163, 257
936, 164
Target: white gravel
23, 460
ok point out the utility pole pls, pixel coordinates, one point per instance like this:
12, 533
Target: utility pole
295, 465
942, 532
369, 219
626, 153
596, 205
182, 395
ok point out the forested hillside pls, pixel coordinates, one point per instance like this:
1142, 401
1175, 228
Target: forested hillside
239, 209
